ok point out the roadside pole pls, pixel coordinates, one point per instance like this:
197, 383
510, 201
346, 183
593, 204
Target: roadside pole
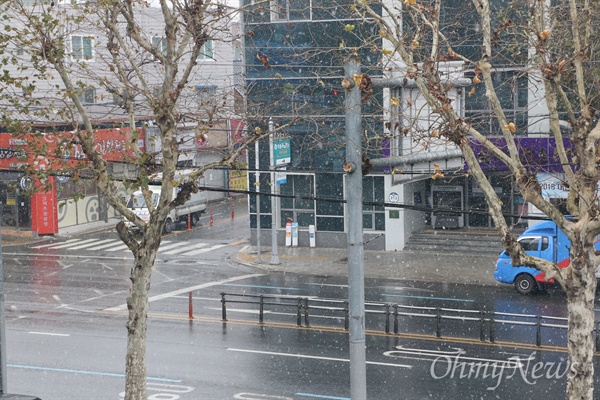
356, 270
274, 214
3, 372
257, 188
2, 328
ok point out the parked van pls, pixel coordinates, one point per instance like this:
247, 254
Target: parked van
543, 240
192, 209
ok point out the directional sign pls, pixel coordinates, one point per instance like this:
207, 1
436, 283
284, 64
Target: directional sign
282, 151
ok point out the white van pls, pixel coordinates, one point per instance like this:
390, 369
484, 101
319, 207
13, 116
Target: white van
191, 209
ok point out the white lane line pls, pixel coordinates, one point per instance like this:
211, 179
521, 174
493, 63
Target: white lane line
83, 246
172, 250
193, 253
188, 289
53, 244
49, 334
271, 353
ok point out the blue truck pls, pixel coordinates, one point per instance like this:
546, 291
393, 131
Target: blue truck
543, 240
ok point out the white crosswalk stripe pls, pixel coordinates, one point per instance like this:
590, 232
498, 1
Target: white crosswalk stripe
53, 244
187, 248
193, 253
83, 246
171, 246
167, 247
67, 244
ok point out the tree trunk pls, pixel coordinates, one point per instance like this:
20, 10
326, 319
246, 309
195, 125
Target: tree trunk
581, 290
137, 304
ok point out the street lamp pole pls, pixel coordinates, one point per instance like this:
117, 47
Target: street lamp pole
274, 213
356, 267
257, 189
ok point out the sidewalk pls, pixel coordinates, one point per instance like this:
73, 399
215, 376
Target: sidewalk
469, 268
404, 265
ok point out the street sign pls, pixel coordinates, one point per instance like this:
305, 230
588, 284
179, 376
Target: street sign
282, 151
280, 177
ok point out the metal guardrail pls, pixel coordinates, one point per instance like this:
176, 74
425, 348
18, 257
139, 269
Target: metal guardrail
487, 321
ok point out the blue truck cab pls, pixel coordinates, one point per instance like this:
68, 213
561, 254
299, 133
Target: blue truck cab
543, 240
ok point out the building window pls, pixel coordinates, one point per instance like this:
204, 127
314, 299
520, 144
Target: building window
297, 208
206, 51
373, 191
206, 95
512, 90
330, 214
82, 48
160, 44
88, 96
290, 10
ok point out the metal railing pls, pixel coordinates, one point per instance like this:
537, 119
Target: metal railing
487, 322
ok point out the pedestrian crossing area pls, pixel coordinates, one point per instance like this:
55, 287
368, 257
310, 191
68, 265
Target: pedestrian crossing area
180, 248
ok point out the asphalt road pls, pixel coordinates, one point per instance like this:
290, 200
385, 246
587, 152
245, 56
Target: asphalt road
66, 334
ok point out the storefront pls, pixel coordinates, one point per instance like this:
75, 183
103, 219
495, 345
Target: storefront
44, 207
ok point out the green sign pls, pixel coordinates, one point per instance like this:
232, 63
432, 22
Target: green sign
282, 151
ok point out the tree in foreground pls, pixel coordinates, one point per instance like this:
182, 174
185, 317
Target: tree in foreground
551, 45
147, 60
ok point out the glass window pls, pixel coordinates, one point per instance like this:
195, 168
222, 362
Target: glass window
82, 48
160, 43
88, 96
373, 192
530, 243
206, 51
297, 204
290, 10
206, 95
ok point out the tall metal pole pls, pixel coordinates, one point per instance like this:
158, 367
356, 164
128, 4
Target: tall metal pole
257, 188
274, 213
2, 329
356, 270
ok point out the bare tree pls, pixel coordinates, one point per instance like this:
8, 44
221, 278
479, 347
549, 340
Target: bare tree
552, 43
148, 62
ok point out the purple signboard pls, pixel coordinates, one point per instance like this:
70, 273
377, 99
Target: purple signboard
537, 154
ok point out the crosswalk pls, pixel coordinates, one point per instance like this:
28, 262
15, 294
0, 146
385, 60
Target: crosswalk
180, 248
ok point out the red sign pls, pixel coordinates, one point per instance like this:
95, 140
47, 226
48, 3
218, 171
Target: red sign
44, 213
62, 148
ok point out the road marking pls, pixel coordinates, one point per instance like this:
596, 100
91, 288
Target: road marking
172, 246
271, 353
456, 353
187, 247
112, 244
263, 287
327, 285
188, 289
195, 252
67, 244
319, 396
83, 246
76, 371
428, 298
52, 244
50, 334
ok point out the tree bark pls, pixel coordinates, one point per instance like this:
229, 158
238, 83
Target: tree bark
137, 304
581, 291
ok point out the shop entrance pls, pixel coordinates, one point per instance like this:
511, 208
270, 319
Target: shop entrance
15, 207
445, 199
